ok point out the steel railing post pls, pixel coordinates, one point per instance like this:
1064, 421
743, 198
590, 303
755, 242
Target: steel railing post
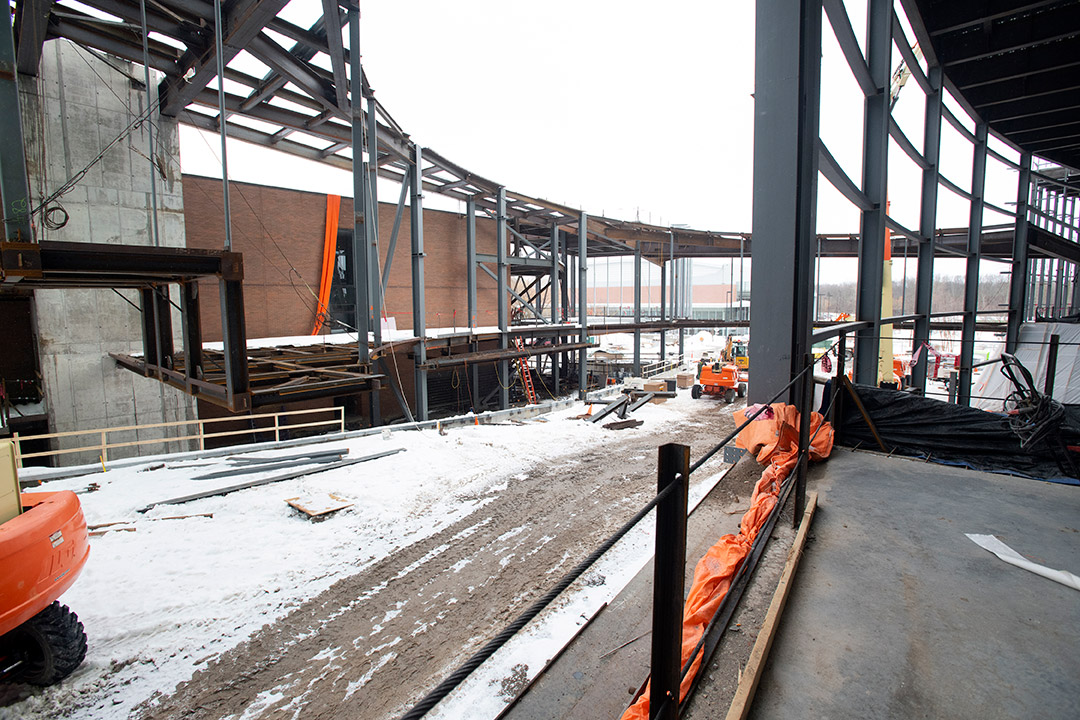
805, 410
669, 571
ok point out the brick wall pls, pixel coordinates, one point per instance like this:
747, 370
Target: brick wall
280, 232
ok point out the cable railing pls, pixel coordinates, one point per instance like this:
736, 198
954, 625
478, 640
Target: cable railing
674, 472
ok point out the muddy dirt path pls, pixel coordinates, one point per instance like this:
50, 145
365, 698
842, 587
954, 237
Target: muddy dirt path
377, 641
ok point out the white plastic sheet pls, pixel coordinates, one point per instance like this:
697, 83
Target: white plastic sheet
1006, 553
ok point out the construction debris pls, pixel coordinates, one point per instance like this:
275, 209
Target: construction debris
319, 505
611, 407
623, 424
269, 480
249, 467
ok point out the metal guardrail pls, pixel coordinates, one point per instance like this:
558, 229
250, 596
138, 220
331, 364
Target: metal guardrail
103, 444
661, 366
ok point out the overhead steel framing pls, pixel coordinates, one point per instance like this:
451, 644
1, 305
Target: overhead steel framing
314, 101
1041, 245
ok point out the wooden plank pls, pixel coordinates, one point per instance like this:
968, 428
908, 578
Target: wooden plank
319, 505
751, 675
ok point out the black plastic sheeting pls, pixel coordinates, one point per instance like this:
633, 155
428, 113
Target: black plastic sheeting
917, 426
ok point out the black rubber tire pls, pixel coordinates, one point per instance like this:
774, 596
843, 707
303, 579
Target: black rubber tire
742, 389
51, 645
695, 392
729, 395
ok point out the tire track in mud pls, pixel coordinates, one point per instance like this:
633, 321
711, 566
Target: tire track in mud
376, 641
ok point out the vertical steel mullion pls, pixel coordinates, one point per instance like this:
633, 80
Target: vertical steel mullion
1019, 279
583, 299
470, 259
974, 255
359, 244
875, 185
419, 307
503, 297
555, 294
371, 215
924, 277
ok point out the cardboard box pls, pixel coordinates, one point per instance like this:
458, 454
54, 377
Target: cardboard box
655, 386
684, 380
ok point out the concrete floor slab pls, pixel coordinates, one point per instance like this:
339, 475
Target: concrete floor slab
895, 613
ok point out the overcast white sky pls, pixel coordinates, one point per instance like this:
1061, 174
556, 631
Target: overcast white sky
626, 109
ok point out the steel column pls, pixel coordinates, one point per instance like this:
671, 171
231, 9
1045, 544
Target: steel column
14, 185
637, 311
359, 246
419, 309
503, 297
470, 259
974, 255
583, 299
222, 131
192, 326
555, 294
371, 214
787, 91
234, 334
1018, 282
663, 308
924, 276
875, 183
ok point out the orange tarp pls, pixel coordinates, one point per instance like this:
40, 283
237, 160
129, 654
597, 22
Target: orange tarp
326, 279
774, 438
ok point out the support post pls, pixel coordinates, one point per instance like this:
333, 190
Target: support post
234, 334
583, 300
637, 311
503, 297
872, 235
419, 310
787, 79
470, 259
1018, 282
974, 255
555, 295
222, 125
189, 309
668, 581
1051, 365
924, 278
663, 309
359, 246
806, 407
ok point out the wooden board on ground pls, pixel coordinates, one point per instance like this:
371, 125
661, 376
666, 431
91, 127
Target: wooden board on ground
319, 505
623, 424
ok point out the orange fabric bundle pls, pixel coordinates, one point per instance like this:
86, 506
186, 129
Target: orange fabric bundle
326, 277
774, 438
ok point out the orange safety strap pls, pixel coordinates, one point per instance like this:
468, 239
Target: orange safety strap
326, 280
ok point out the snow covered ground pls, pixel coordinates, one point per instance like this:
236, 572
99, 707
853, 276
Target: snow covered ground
163, 600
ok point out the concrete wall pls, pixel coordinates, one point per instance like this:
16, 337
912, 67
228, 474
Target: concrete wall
71, 112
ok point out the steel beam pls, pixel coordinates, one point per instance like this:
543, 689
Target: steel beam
371, 214
503, 299
971, 280
14, 186
583, 301
419, 308
875, 183
234, 334
1018, 282
31, 27
924, 279
192, 327
244, 20
470, 259
787, 91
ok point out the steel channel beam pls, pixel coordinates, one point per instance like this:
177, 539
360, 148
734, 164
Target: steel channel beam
503, 296
875, 184
419, 309
234, 334
14, 185
971, 280
1018, 282
924, 278
787, 81
192, 338
555, 295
